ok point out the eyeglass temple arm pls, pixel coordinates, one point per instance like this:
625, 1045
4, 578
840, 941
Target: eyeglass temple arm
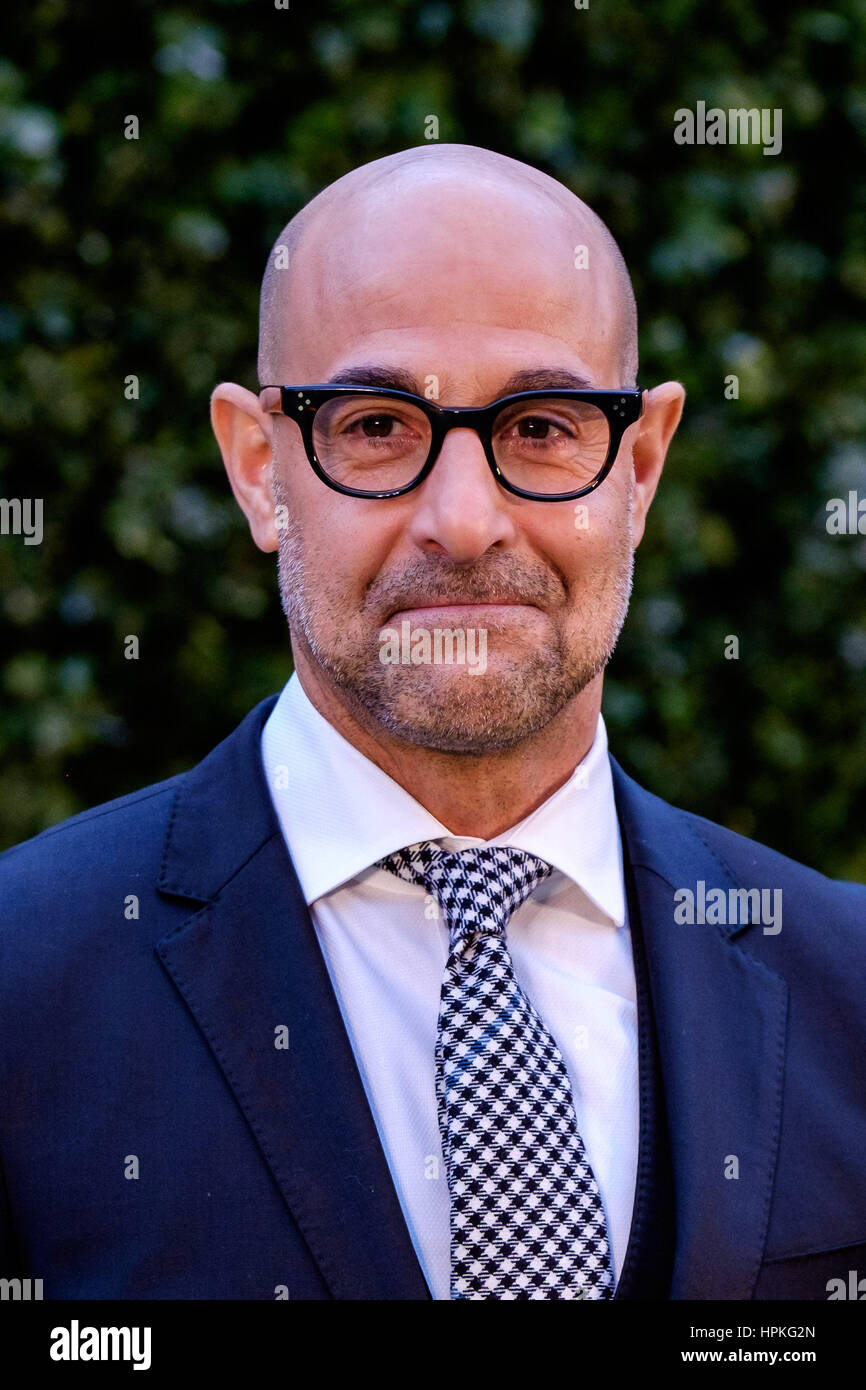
271, 399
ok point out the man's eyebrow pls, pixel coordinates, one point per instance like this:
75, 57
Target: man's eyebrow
384, 377
531, 379
545, 379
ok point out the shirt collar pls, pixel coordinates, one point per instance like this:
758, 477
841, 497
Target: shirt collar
339, 812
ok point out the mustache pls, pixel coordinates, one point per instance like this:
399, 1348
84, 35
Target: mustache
502, 581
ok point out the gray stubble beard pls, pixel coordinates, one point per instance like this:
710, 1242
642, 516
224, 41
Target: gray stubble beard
470, 713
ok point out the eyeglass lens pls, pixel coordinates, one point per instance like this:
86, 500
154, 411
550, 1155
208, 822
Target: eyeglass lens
379, 443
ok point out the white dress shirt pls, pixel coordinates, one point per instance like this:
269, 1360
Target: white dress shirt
385, 947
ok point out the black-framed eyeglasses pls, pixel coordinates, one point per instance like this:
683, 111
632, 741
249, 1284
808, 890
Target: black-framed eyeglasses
549, 446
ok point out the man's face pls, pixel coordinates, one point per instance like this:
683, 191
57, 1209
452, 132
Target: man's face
467, 286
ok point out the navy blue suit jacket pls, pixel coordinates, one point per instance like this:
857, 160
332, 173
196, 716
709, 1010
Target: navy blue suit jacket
146, 1044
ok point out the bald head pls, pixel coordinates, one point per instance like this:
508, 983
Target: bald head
450, 198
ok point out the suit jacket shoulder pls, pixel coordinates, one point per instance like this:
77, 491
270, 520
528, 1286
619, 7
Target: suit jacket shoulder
150, 947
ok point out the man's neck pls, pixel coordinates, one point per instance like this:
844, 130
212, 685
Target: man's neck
478, 795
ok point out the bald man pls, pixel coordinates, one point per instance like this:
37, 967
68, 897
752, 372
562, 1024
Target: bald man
407, 990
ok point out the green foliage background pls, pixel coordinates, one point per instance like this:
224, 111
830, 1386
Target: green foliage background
146, 256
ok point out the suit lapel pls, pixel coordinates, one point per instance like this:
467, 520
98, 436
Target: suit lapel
720, 1017
247, 963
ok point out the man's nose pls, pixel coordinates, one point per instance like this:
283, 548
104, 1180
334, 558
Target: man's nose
461, 510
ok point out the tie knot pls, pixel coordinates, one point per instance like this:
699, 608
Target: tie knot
477, 889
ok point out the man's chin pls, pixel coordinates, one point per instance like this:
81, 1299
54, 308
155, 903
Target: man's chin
464, 710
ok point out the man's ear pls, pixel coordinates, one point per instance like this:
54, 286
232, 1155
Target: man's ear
245, 435
663, 407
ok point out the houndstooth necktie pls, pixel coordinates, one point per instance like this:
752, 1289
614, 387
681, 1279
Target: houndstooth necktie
527, 1219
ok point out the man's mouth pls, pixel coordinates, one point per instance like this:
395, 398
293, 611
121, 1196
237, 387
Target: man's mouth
445, 609
428, 603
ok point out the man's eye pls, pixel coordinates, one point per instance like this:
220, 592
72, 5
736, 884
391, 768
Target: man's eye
537, 427
540, 428
376, 426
